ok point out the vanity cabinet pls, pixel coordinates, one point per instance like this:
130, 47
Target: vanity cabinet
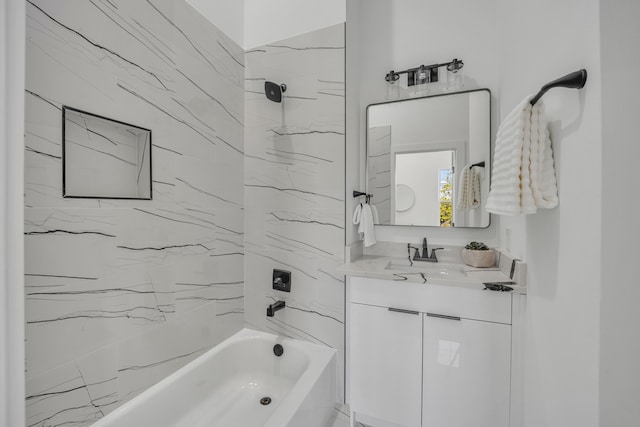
429, 355
386, 355
466, 373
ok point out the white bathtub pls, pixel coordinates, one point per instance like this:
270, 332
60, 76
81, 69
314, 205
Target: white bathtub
223, 388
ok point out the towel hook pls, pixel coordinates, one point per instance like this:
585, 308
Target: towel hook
575, 80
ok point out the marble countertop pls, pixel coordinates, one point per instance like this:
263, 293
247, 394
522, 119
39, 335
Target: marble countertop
440, 273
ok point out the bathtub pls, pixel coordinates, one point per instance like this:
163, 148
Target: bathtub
224, 388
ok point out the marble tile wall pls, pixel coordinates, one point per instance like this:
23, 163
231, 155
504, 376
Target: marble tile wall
294, 186
379, 172
120, 293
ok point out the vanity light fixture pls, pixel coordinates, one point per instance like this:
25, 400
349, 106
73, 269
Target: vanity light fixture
424, 73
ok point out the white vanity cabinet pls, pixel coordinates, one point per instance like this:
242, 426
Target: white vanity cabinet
386, 363
429, 355
466, 373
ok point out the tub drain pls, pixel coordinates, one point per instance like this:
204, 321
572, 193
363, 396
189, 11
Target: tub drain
265, 400
278, 350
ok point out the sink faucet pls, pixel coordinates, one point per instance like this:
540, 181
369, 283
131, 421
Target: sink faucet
271, 310
425, 252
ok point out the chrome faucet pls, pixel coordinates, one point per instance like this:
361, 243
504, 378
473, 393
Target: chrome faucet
271, 310
425, 252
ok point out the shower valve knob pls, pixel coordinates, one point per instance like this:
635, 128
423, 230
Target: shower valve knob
281, 280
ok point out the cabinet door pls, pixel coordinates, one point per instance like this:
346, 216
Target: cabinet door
466, 373
386, 364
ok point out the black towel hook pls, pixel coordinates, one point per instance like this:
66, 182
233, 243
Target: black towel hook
575, 80
360, 193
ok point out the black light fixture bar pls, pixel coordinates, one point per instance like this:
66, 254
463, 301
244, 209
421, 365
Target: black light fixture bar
453, 65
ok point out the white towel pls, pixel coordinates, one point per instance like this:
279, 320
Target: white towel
357, 214
366, 228
469, 188
543, 176
523, 176
374, 212
363, 217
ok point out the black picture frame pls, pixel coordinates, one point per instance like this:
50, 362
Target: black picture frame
65, 161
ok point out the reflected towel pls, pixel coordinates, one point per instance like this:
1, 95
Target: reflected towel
469, 188
523, 175
366, 228
363, 217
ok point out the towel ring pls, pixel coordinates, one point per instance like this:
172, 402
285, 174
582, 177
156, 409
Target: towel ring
575, 80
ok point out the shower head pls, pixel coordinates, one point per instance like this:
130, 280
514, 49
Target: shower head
274, 91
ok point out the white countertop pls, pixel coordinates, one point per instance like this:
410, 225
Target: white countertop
448, 274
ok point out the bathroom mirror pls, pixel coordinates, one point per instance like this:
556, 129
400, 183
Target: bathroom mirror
104, 158
438, 150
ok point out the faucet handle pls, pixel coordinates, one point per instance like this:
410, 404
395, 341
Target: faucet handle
433, 253
417, 253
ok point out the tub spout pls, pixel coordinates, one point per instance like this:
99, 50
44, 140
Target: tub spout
271, 310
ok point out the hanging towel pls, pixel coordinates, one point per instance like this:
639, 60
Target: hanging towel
523, 176
469, 188
476, 175
543, 176
366, 228
374, 212
357, 214
363, 218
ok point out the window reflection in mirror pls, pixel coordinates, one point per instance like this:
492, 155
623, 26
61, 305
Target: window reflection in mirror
418, 150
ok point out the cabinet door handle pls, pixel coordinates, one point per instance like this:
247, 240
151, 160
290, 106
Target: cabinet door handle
402, 310
443, 316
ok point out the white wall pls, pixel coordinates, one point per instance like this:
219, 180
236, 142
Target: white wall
424, 120
12, 386
269, 21
620, 317
227, 15
541, 41
253, 23
398, 34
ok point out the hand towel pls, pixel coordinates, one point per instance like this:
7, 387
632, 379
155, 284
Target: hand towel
366, 228
469, 188
523, 176
474, 186
463, 190
357, 214
374, 212
543, 176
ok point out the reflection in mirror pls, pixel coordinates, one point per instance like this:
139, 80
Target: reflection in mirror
420, 160
104, 158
